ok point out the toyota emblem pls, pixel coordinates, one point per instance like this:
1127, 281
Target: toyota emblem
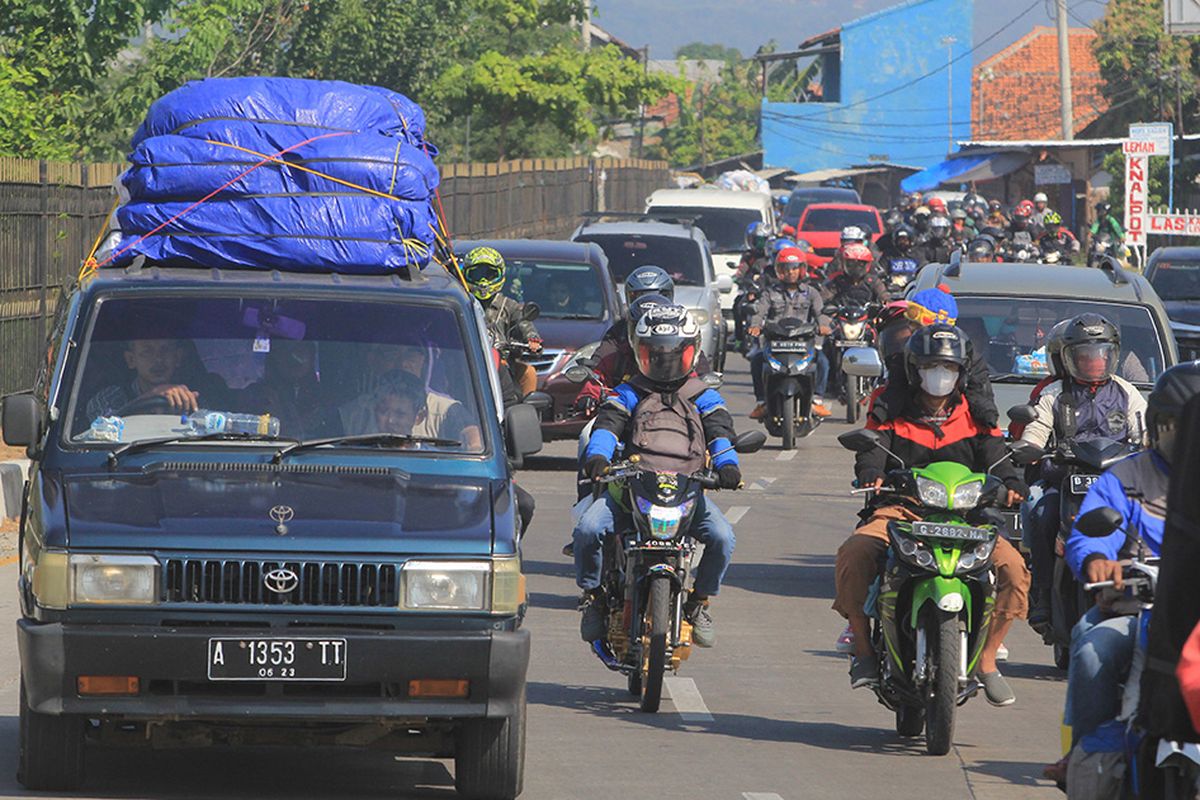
281, 580
282, 514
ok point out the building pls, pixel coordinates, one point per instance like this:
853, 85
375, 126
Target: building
893, 86
1015, 93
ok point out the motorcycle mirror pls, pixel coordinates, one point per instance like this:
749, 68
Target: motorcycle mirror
1099, 522
1022, 414
577, 373
749, 442
590, 362
530, 312
1025, 453
860, 441
862, 362
539, 400
713, 380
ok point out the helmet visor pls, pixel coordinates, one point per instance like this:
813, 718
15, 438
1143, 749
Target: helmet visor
484, 279
666, 364
1091, 362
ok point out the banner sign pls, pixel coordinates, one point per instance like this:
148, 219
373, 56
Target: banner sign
1136, 175
1150, 139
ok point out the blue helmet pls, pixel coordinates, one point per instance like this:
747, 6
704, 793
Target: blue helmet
781, 243
647, 279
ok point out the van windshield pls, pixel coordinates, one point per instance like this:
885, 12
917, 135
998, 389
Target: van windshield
724, 227
300, 368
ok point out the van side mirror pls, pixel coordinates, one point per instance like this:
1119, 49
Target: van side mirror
522, 431
539, 400
22, 420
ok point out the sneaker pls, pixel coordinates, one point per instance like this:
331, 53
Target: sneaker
864, 672
1057, 772
592, 625
704, 634
845, 642
1002, 653
759, 411
819, 410
569, 549
1039, 618
996, 689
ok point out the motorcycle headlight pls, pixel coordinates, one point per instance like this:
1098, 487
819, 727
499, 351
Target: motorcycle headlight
967, 495
913, 551
113, 580
932, 493
444, 585
853, 330
977, 555
700, 315
664, 520
774, 362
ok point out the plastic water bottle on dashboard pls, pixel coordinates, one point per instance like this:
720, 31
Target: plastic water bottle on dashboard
203, 422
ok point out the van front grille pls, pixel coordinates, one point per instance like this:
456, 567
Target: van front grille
280, 583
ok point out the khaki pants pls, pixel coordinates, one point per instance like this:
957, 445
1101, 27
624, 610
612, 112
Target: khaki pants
860, 559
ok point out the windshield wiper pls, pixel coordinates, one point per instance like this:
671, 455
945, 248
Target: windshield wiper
366, 439
570, 316
144, 444
1003, 377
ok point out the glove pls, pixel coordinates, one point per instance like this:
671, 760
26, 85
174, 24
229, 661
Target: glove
535, 344
586, 404
729, 476
594, 467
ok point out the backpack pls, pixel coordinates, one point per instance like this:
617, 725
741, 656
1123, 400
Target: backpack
665, 429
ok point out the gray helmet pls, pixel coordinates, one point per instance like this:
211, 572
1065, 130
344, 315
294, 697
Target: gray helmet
939, 227
1087, 338
981, 248
638, 307
1172, 391
646, 280
757, 234
666, 344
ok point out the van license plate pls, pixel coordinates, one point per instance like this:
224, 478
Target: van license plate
300, 659
1081, 483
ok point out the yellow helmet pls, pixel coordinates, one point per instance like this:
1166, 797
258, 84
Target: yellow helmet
483, 270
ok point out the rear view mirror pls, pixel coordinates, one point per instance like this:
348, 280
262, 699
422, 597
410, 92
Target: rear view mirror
577, 373
1099, 522
522, 432
1025, 453
22, 420
724, 284
539, 400
713, 380
749, 442
860, 441
1022, 414
862, 362
530, 312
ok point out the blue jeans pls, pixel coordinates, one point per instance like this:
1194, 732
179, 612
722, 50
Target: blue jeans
1040, 522
710, 529
758, 365
1101, 654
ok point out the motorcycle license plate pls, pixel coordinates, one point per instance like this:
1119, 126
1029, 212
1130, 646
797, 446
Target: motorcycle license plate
851, 343
1081, 483
903, 266
786, 346
940, 530
291, 659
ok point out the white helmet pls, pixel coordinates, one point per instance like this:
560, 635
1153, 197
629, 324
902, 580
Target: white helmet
1040, 197
853, 233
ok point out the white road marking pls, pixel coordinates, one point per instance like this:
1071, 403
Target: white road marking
760, 796
687, 699
761, 484
786, 455
735, 514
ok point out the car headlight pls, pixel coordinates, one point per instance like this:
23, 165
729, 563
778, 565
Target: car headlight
967, 495
444, 585
932, 493
700, 315
61, 580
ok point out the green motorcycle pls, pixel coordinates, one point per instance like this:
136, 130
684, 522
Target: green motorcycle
931, 608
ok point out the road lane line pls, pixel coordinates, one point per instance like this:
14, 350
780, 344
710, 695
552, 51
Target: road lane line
786, 455
761, 484
760, 796
4, 562
687, 700
735, 514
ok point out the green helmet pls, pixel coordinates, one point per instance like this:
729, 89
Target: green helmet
483, 270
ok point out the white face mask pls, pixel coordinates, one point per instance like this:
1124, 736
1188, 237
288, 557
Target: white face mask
938, 381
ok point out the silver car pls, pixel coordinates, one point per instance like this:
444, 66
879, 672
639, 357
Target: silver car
682, 250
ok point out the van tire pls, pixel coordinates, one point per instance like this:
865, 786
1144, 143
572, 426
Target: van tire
50, 749
489, 756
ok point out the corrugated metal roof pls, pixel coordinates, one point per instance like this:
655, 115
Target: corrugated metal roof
1049, 143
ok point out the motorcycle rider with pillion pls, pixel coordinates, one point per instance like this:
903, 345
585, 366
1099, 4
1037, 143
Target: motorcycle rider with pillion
1102, 642
672, 421
934, 425
789, 298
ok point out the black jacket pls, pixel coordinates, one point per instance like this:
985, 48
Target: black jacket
897, 393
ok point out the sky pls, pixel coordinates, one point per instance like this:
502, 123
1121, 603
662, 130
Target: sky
666, 25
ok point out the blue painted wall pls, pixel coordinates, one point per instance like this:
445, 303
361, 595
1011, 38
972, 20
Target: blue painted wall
881, 53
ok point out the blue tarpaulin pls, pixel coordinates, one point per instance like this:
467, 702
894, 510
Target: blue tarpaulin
965, 169
308, 176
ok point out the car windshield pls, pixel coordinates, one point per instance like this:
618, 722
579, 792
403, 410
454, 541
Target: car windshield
834, 219
561, 290
1010, 333
801, 200
680, 257
724, 227
301, 368
1177, 280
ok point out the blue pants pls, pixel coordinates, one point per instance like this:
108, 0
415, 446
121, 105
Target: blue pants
1101, 654
710, 529
758, 365
1040, 522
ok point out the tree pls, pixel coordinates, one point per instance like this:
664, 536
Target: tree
703, 51
715, 122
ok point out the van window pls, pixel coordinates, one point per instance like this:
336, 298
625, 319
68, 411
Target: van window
724, 227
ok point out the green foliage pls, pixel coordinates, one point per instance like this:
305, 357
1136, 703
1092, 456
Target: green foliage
715, 122
1114, 164
701, 50
35, 124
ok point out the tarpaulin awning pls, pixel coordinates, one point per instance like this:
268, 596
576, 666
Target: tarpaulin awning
965, 169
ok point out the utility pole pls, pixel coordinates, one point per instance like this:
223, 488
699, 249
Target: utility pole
948, 43
1064, 71
585, 27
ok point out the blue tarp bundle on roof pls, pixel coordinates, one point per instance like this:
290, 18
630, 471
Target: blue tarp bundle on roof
206, 137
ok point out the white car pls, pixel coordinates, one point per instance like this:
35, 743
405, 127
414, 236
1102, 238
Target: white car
723, 215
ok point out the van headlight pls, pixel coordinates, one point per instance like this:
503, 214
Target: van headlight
444, 585
82, 579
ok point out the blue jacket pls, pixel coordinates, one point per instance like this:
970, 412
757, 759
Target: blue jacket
1137, 488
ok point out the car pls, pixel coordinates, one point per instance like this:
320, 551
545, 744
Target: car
822, 224
802, 198
1174, 272
682, 250
307, 559
1008, 309
723, 215
537, 269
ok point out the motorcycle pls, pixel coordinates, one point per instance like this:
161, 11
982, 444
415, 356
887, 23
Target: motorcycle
515, 354
789, 377
931, 608
851, 328
647, 569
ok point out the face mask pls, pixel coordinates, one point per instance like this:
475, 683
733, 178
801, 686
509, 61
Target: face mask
938, 381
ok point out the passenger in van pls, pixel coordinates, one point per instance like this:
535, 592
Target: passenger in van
155, 365
291, 390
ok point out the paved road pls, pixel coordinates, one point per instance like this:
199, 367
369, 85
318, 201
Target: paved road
766, 714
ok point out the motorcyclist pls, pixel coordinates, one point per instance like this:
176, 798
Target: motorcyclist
995, 215
1040, 207
919, 222
1102, 244
1103, 641
1056, 241
938, 246
856, 281
962, 228
790, 297
1021, 228
981, 250
902, 247
671, 420
933, 425
483, 270
757, 258
1106, 222
1096, 403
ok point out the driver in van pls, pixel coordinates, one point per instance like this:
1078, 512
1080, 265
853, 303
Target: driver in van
155, 363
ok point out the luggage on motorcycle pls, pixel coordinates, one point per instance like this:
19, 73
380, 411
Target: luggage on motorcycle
1096, 765
665, 428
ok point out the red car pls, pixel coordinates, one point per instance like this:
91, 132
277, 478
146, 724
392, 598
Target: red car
821, 225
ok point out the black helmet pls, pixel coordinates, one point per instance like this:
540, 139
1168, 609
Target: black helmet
1054, 348
981, 248
1088, 338
1172, 391
902, 234
666, 343
932, 344
1103, 209
638, 307
647, 279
